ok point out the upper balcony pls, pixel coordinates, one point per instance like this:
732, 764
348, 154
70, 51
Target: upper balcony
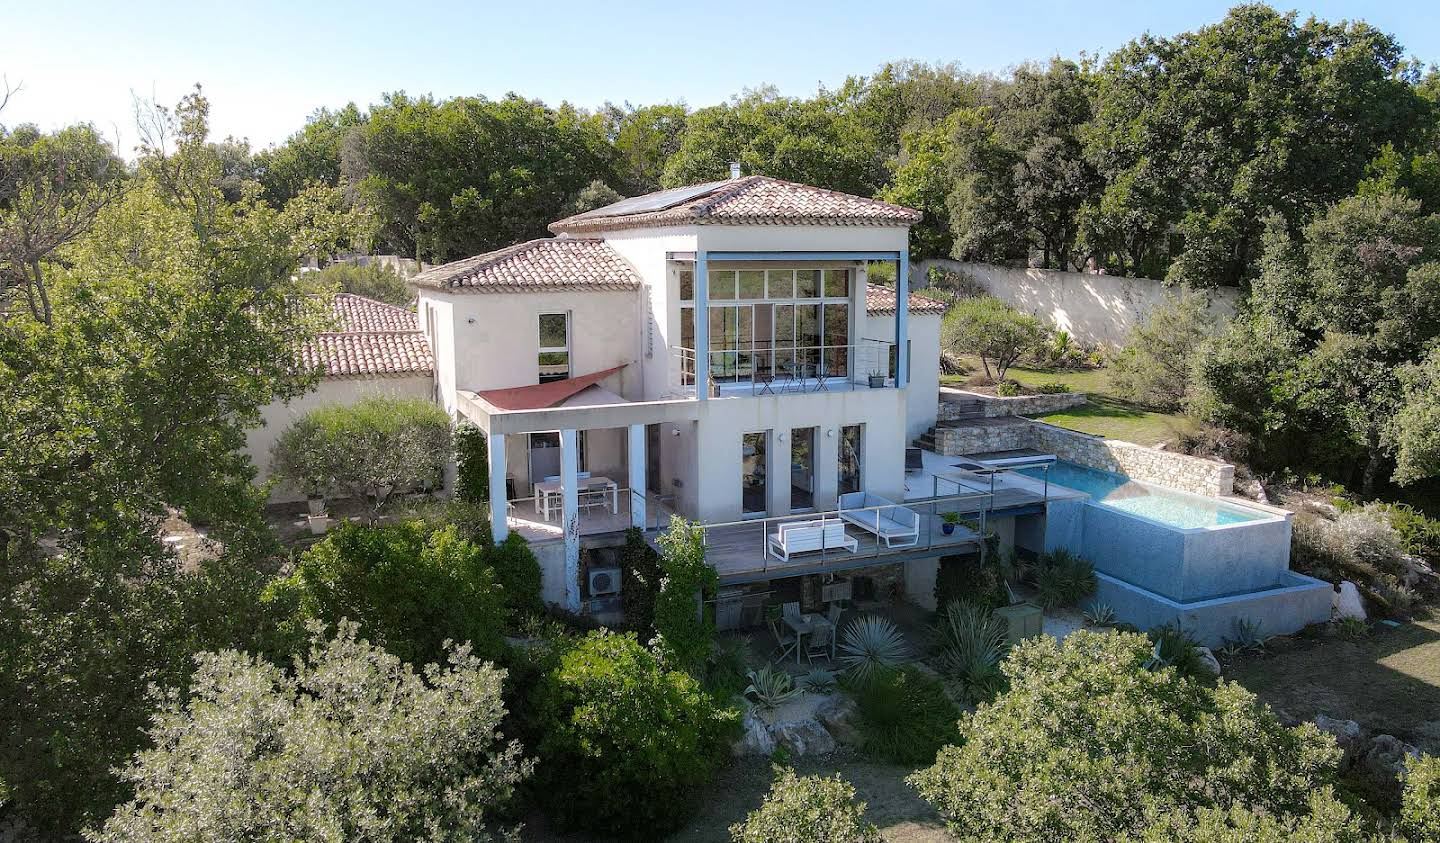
760, 368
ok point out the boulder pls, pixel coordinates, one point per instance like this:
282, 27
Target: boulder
1347, 735
755, 737
1386, 758
1346, 602
803, 737
1207, 658
839, 717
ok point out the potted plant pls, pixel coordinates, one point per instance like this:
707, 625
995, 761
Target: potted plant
318, 523
948, 520
315, 502
877, 379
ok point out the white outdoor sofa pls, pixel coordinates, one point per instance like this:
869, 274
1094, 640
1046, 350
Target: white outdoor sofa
896, 525
807, 536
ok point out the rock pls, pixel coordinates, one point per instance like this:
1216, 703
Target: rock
1386, 758
1416, 569
803, 737
1347, 735
755, 738
1347, 603
839, 718
1207, 658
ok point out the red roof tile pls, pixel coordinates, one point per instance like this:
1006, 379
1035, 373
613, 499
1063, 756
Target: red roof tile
881, 300
542, 395
751, 200
563, 263
372, 338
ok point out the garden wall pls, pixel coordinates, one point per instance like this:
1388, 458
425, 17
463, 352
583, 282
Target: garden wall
955, 403
1094, 309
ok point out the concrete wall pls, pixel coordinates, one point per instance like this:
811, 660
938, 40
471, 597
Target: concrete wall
923, 391
645, 249
276, 417
1095, 309
1298, 602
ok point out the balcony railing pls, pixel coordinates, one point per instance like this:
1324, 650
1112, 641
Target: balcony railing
788, 369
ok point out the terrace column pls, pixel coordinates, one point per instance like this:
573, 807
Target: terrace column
902, 319
499, 506
570, 516
636, 452
702, 326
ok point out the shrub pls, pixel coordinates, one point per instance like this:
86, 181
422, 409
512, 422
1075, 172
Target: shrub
356, 745
367, 451
472, 464
1358, 545
409, 588
1007, 388
968, 578
1154, 366
640, 566
807, 809
871, 644
971, 642
518, 573
628, 744
1419, 534
1088, 745
1420, 802
818, 680
771, 688
374, 280
1175, 647
996, 332
684, 631
905, 716
1063, 579
1053, 388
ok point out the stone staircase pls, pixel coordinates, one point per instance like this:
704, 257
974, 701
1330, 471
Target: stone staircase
957, 413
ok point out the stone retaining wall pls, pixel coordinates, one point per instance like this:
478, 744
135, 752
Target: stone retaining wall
1163, 468
995, 406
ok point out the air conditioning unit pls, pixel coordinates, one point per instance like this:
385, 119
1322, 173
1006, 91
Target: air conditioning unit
604, 581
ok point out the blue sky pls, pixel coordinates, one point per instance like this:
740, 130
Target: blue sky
267, 65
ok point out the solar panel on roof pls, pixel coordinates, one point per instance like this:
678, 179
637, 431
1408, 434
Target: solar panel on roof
658, 201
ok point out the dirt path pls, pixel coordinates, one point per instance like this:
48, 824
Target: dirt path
1388, 681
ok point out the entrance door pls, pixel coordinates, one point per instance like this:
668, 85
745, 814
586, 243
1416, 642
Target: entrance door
802, 469
652, 458
754, 454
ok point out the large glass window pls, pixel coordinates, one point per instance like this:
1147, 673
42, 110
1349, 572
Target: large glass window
753, 447
802, 469
554, 346
752, 284
850, 458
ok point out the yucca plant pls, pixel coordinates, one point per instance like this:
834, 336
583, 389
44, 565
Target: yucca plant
1100, 614
770, 688
1063, 579
817, 681
871, 644
971, 643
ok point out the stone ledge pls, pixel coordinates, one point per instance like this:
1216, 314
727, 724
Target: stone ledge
995, 406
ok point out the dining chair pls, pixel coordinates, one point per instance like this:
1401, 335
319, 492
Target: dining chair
817, 643
785, 639
833, 616
792, 610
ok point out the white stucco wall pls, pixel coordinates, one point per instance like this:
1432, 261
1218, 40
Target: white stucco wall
329, 391
491, 340
923, 391
1094, 309
645, 249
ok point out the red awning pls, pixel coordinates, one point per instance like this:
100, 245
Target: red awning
543, 395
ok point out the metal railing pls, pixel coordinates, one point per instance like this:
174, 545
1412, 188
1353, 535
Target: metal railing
788, 368
600, 511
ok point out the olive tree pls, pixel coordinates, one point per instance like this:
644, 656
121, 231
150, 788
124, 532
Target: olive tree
1089, 744
367, 450
992, 329
353, 745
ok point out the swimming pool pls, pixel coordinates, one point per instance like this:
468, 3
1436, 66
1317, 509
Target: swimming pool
1167, 506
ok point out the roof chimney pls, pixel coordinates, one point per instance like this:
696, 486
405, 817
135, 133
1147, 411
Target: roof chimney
734, 169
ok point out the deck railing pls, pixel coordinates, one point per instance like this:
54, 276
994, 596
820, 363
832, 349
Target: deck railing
787, 369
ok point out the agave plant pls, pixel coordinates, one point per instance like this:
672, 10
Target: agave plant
871, 644
971, 642
1100, 614
817, 681
770, 688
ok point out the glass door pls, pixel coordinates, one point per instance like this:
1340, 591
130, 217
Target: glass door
802, 469
753, 454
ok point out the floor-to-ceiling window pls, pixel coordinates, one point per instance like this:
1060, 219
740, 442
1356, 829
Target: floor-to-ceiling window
851, 459
771, 324
802, 469
754, 448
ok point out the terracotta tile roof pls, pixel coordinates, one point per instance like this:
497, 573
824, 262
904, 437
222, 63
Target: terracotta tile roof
750, 200
371, 338
881, 300
541, 395
562, 263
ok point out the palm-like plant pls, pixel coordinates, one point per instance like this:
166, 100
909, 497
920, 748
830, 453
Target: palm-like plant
871, 644
770, 688
971, 641
817, 681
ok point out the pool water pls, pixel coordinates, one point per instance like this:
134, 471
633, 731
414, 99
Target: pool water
1176, 509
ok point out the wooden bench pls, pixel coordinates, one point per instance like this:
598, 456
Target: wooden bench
808, 537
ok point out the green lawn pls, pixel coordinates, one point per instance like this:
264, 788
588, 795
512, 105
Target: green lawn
1105, 414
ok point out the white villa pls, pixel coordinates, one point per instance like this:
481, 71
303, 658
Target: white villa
721, 352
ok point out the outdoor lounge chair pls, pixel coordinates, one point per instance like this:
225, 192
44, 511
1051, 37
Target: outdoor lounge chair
808, 537
896, 525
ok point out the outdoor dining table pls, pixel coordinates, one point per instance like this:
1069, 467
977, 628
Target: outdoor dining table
806, 624
547, 492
